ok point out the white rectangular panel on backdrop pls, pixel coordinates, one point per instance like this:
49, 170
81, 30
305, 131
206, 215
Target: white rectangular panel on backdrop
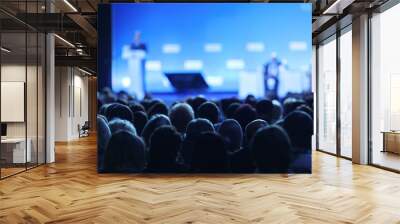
12, 101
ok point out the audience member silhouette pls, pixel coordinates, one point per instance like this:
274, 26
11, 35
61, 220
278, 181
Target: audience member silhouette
271, 150
117, 110
210, 155
121, 125
232, 133
125, 153
165, 143
230, 111
208, 110
244, 115
104, 135
154, 122
139, 120
158, 108
180, 115
264, 109
276, 111
194, 129
253, 127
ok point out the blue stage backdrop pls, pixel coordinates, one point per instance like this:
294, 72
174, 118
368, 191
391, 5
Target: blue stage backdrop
233, 46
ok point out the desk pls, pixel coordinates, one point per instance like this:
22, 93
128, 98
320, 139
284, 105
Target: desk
391, 141
13, 150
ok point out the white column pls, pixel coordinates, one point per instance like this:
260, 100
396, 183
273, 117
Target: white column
50, 99
360, 90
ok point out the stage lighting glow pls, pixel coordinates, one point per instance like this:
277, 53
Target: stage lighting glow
126, 82
298, 46
154, 66
255, 47
193, 64
235, 64
171, 48
213, 47
215, 80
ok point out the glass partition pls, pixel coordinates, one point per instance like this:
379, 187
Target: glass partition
22, 77
327, 95
385, 89
346, 93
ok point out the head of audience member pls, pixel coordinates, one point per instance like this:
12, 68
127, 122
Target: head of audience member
251, 100
264, 109
232, 133
136, 107
306, 109
104, 135
196, 102
103, 109
276, 111
139, 120
290, 104
194, 129
210, 154
121, 125
154, 122
299, 126
180, 115
102, 117
230, 111
125, 153
117, 110
244, 115
253, 127
225, 103
271, 150
165, 143
158, 108
208, 110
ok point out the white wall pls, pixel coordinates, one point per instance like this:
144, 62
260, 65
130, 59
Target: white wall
71, 93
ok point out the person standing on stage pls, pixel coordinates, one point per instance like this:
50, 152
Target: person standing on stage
135, 54
271, 76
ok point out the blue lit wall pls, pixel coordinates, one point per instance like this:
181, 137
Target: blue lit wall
220, 40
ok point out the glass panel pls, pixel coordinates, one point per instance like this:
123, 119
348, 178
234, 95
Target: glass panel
346, 94
31, 97
41, 99
327, 96
13, 85
385, 84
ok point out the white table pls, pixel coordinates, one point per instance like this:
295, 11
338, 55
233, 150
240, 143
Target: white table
17, 147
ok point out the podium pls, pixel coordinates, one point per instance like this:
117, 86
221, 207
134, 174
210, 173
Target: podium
136, 70
187, 82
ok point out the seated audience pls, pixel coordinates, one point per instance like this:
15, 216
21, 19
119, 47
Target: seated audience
232, 133
180, 115
125, 153
104, 135
117, 110
121, 125
264, 110
210, 155
194, 129
244, 115
154, 122
158, 108
165, 142
204, 135
139, 120
271, 150
209, 111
